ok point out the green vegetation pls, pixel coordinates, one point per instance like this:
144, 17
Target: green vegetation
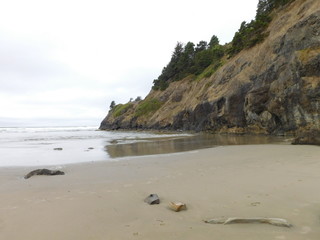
189, 59
147, 106
250, 34
120, 109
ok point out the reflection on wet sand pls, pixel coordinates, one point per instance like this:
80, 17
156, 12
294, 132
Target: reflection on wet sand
185, 143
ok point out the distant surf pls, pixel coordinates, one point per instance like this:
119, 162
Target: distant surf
37, 146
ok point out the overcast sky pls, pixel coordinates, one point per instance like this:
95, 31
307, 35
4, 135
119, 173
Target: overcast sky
62, 62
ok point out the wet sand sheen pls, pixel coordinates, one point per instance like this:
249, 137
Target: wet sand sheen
104, 200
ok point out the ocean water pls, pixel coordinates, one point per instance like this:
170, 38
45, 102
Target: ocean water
64, 145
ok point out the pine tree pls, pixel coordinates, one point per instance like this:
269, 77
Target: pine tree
214, 41
112, 105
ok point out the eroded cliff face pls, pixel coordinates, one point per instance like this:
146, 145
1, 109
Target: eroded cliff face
271, 88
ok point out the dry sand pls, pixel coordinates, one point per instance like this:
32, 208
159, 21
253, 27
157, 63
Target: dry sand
104, 200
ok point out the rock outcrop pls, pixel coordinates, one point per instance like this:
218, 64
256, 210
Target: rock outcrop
311, 137
272, 88
43, 171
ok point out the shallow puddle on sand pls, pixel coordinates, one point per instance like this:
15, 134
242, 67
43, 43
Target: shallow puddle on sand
178, 144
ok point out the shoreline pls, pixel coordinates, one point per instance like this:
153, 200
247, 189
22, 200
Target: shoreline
104, 200
41, 148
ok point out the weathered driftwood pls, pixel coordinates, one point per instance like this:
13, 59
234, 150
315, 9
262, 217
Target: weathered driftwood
273, 221
177, 206
43, 172
152, 199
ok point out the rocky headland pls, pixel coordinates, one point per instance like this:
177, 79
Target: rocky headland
270, 88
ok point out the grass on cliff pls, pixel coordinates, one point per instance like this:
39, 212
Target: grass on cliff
120, 109
210, 70
147, 106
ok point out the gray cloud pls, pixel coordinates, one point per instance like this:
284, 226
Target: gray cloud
25, 66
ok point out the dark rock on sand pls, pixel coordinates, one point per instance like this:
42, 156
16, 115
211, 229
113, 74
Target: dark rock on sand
43, 172
58, 149
152, 199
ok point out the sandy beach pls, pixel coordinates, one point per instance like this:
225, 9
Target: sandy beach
104, 200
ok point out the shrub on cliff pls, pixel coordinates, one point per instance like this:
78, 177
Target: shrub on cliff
147, 106
120, 109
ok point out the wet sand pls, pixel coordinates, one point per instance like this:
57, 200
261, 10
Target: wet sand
104, 200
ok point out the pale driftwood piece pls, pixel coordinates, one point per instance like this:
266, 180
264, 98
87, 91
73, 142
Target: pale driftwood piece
43, 172
177, 206
273, 221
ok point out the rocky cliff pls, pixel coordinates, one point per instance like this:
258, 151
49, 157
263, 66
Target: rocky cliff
272, 88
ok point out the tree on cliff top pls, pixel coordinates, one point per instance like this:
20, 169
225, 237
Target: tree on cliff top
188, 59
249, 34
191, 59
112, 105
266, 6
214, 41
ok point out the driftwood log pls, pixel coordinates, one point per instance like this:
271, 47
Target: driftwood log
43, 172
273, 221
